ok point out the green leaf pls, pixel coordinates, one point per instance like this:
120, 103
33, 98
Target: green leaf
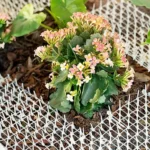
61, 10
58, 98
111, 89
102, 73
102, 99
96, 35
145, 3
90, 88
61, 77
85, 35
85, 1
26, 21
96, 97
77, 103
76, 40
87, 111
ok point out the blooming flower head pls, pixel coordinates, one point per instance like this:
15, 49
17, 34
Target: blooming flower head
77, 48
64, 66
69, 97
87, 79
88, 57
126, 79
70, 75
109, 62
4, 17
80, 82
99, 46
88, 21
127, 86
74, 69
40, 52
80, 66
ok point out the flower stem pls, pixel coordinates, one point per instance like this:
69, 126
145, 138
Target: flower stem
46, 27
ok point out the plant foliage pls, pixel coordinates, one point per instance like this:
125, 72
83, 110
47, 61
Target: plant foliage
145, 3
62, 10
86, 58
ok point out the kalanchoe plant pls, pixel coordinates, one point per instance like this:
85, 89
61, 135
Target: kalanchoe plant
88, 64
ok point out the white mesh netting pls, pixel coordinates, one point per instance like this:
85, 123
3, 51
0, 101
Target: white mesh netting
29, 123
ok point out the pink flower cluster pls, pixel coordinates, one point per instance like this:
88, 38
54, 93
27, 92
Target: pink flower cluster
92, 61
74, 70
127, 80
88, 21
99, 46
4, 17
56, 37
120, 54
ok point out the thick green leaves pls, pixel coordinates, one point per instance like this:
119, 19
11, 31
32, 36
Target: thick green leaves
77, 103
61, 77
96, 96
111, 89
102, 73
76, 40
61, 10
101, 100
58, 98
91, 87
145, 3
26, 21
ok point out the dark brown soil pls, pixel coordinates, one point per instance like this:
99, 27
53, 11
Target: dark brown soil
17, 59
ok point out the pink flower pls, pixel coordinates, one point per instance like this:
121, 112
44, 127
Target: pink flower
104, 40
91, 60
94, 61
79, 75
128, 86
95, 41
108, 47
105, 55
45, 33
124, 59
100, 47
77, 48
40, 51
73, 70
4, 17
88, 57
92, 69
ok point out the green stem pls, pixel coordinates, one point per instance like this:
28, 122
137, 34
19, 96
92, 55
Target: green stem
46, 27
48, 10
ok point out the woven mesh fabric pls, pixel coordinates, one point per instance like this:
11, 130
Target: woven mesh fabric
29, 123
26, 122
12, 7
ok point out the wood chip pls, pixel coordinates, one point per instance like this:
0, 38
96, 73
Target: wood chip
142, 77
